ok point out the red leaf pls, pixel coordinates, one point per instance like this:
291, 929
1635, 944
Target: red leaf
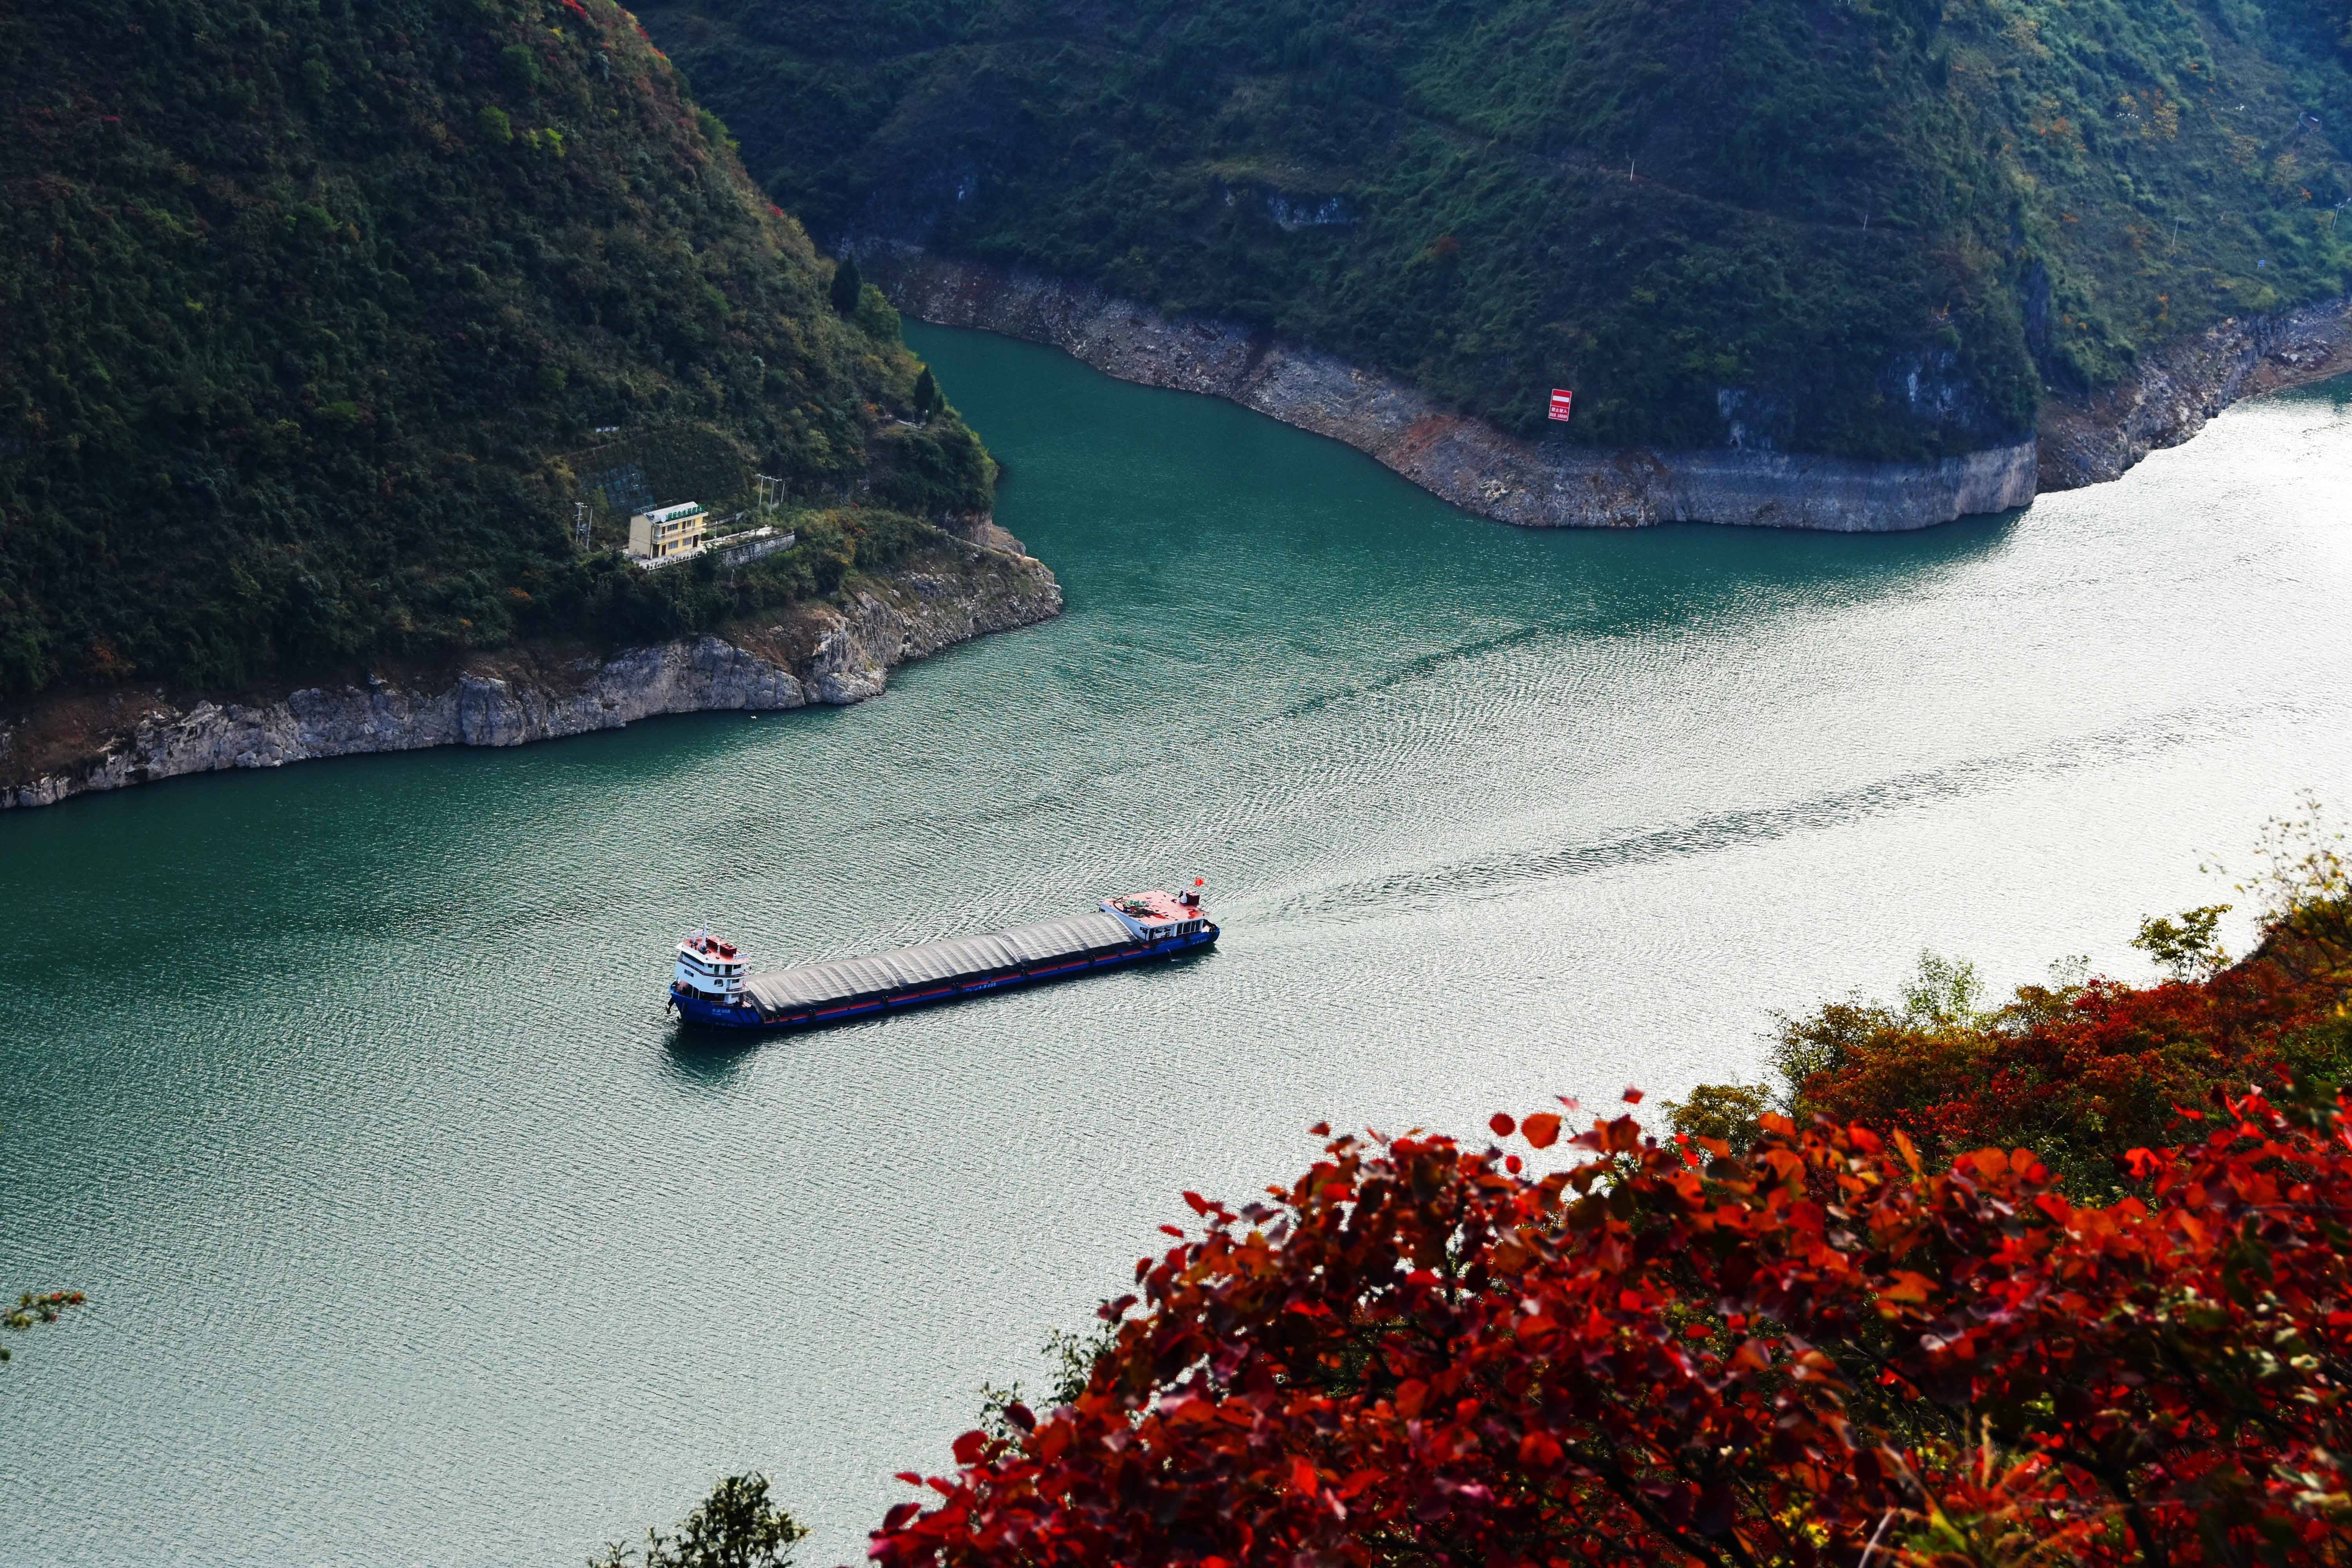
1633, 1095
1542, 1129
1909, 1286
969, 1447
1502, 1124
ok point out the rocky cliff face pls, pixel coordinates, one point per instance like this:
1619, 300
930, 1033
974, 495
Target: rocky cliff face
2081, 442
1470, 464
832, 654
2185, 383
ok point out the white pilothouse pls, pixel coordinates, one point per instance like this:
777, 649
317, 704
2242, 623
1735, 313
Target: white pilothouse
709, 970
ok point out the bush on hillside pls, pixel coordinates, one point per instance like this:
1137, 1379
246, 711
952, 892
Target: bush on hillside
735, 1527
2083, 1070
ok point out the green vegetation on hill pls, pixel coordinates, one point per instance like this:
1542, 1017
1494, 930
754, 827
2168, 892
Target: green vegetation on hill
1874, 229
317, 317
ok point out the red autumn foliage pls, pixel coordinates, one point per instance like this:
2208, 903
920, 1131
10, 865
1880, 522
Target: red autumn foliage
1818, 1352
1820, 1346
2084, 1074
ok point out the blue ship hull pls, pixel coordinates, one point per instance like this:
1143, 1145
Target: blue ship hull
695, 1009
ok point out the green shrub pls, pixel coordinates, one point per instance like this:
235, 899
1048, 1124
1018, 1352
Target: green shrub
847, 290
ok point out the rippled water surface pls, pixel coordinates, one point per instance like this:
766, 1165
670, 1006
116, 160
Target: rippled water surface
413, 1232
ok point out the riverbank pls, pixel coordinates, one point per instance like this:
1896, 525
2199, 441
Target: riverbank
1493, 475
2182, 383
837, 653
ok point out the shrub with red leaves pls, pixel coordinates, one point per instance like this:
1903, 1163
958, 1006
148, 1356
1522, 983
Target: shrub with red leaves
2083, 1073
1821, 1351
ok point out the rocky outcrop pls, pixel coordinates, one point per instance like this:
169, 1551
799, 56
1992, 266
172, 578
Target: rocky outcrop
1470, 464
2177, 387
834, 653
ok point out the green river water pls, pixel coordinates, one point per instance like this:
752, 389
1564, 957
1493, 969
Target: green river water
414, 1232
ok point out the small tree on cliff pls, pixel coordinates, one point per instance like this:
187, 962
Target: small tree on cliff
847, 286
927, 395
735, 1527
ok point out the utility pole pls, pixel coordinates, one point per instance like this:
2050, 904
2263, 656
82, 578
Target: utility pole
579, 524
771, 493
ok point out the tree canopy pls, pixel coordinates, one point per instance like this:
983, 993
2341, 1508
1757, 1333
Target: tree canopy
737, 1526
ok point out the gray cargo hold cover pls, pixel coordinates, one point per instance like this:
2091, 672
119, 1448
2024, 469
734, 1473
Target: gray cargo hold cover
956, 961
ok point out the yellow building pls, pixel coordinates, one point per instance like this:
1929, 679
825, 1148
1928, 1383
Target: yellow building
668, 530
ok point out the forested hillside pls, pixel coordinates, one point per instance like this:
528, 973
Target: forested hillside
312, 313
1874, 229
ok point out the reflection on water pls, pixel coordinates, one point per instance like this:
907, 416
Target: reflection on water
709, 1058
416, 1231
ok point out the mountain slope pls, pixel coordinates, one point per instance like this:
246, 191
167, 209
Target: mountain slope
1874, 230
319, 314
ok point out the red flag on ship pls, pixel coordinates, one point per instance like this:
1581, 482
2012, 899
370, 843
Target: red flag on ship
1561, 398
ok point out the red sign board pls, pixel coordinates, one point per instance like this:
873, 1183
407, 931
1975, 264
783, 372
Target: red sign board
1561, 398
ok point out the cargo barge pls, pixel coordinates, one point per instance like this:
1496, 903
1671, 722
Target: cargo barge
710, 986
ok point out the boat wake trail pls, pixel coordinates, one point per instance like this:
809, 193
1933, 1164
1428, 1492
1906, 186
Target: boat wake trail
1513, 875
